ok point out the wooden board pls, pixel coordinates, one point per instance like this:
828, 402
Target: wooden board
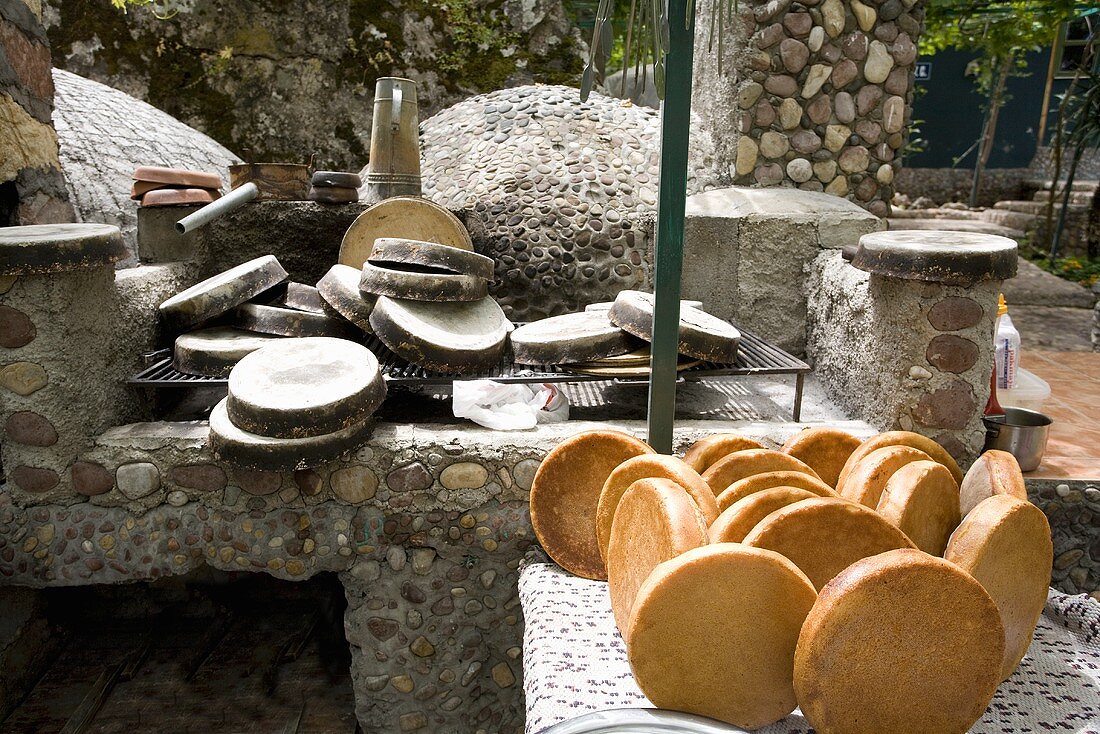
407, 217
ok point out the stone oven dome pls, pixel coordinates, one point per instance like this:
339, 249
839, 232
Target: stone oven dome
104, 134
561, 188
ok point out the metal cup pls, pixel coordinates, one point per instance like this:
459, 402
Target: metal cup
394, 168
1022, 433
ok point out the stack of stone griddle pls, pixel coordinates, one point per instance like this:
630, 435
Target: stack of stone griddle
334, 187
158, 186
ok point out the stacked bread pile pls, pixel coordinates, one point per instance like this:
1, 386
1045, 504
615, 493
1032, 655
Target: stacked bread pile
159, 186
869, 582
613, 339
297, 403
334, 187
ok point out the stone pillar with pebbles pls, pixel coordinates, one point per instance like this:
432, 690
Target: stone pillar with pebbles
823, 95
904, 339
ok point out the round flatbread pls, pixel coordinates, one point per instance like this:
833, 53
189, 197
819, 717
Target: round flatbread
455, 338
263, 453
340, 289
571, 337
221, 293
713, 632
421, 286
290, 322
825, 450
701, 335
901, 642
825, 535
741, 464
406, 217
656, 521
866, 482
394, 251
735, 523
1004, 543
902, 438
644, 467
704, 452
566, 492
296, 388
921, 500
994, 472
759, 482
214, 351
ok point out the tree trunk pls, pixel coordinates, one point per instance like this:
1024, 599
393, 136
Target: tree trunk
1056, 155
989, 129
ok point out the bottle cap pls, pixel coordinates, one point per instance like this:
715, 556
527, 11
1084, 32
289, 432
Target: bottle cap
1002, 307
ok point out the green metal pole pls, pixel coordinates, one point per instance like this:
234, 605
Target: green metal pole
669, 248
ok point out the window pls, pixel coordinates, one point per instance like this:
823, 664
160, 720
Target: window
1073, 45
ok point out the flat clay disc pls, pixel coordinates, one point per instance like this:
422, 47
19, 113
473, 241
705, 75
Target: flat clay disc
406, 217
825, 535
656, 521
638, 358
953, 258
416, 286
701, 335
333, 194
684, 363
455, 338
566, 492
735, 523
740, 464
706, 451
214, 351
902, 438
340, 289
263, 453
177, 177
1004, 543
300, 297
336, 179
179, 197
297, 388
221, 293
901, 642
759, 482
825, 450
713, 632
921, 500
47, 248
457, 260
994, 472
867, 480
289, 322
571, 337
606, 305
649, 466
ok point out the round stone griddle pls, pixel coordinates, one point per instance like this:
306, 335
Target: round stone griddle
250, 451
49, 248
455, 338
421, 286
402, 216
336, 179
340, 290
571, 337
333, 195
298, 388
212, 352
289, 322
397, 251
953, 258
297, 296
701, 335
606, 305
222, 292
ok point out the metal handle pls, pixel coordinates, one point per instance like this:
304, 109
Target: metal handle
641, 721
395, 108
232, 201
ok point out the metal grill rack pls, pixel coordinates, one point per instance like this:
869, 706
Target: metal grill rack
754, 357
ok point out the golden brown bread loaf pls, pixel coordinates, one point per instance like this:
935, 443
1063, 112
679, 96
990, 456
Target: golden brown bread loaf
867, 480
922, 500
656, 520
1004, 543
713, 632
825, 535
706, 451
994, 472
741, 464
825, 450
900, 642
758, 482
566, 491
735, 523
902, 438
640, 467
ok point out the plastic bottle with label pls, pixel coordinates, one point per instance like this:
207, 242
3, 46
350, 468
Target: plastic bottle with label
1007, 341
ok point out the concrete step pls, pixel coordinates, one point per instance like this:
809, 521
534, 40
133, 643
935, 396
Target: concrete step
938, 213
1084, 198
1078, 184
1035, 207
1011, 219
956, 225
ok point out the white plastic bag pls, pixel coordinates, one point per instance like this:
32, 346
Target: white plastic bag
509, 407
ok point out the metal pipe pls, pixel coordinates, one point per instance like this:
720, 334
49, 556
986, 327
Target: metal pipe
232, 201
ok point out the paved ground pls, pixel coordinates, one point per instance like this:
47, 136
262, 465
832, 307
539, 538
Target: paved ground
1073, 450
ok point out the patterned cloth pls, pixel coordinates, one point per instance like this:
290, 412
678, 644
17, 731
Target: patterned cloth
574, 662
